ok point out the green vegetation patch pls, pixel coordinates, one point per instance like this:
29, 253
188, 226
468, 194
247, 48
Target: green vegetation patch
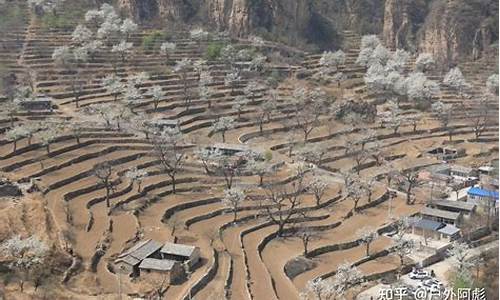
151, 40
213, 51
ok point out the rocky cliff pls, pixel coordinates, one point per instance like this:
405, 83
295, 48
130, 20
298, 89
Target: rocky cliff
447, 28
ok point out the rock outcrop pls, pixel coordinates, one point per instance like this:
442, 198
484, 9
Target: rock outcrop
449, 29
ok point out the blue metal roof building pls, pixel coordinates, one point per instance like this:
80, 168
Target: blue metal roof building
482, 193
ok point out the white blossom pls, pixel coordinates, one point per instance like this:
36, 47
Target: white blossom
128, 27
62, 55
424, 62
198, 34
81, 34
370, 41
455, 79
420, 88
492, 84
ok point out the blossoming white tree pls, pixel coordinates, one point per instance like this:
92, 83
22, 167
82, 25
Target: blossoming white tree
424, 62
81, 35
122, 49
166, 49
232, 199
492, 84
136, 175
157, 94
127, 28
222, 125
113, 85
27, 257
456, 80
367, 235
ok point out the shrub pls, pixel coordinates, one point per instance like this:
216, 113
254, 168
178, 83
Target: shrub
268, 155
275, 78
65, 18
151, 40
213, 51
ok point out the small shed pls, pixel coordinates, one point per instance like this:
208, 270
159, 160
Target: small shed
449, 232
130, 259
161, 124
171, 268
40, 103
426, 228
183, 253
442, 216
229, 149
467, 208
445, 153
462, 171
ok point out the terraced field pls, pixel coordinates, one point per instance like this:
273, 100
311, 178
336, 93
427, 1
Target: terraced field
245, 259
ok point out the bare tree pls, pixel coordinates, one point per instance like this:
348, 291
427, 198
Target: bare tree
284, 202
167, 149
480, 117
410, 179
306, 235
359, 156
103, 172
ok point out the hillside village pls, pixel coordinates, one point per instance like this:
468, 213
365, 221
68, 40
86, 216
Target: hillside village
156, 163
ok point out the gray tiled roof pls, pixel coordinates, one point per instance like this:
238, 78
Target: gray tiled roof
426, 224
467, 206
449, 230
157, 264
178, 249
142, 249
427, 211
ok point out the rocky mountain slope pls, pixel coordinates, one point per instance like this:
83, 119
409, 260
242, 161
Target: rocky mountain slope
450, 29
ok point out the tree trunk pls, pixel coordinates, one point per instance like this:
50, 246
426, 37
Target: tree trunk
15, 146
223, 133
235, 214
261, 180
281, 226
367, 249
107, 194
173, 184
